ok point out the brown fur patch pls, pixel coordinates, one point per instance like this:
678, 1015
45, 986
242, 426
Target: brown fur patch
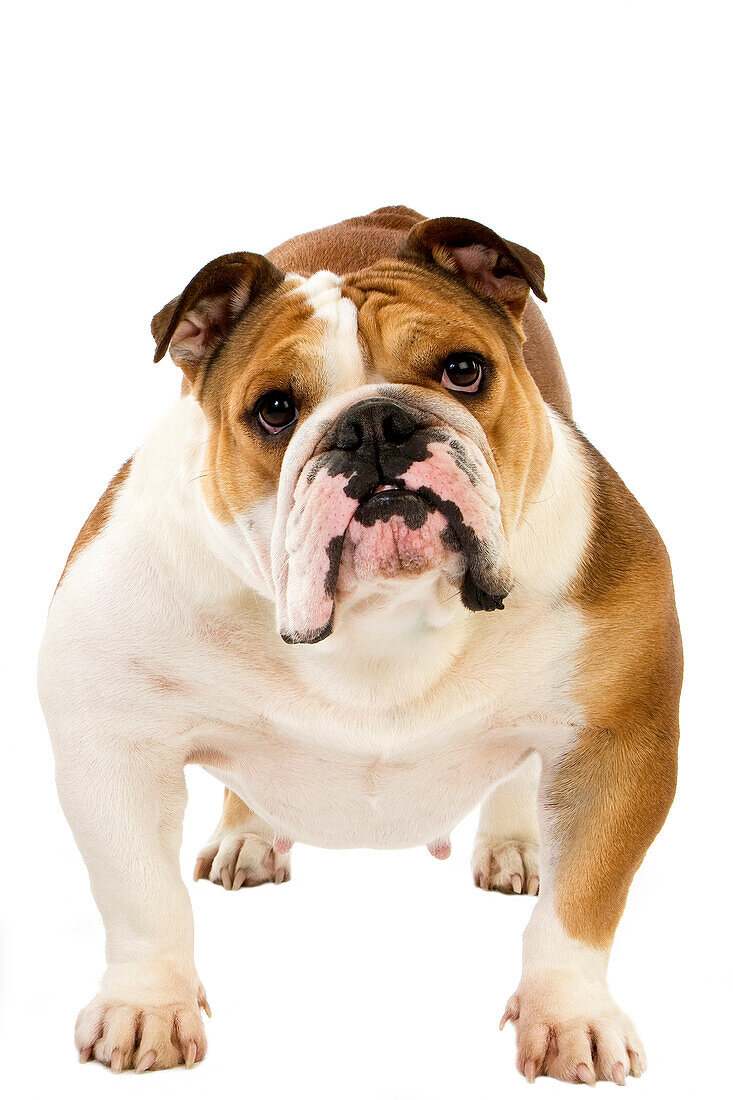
626, 590
97, 520
611, 794
608, 801
349, 245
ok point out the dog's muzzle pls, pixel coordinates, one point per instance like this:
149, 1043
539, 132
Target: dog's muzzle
428, 471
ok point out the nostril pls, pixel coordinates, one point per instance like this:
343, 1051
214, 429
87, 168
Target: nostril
350, 436
397, 427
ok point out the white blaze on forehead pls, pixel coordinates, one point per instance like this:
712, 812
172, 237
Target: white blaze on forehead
342, 358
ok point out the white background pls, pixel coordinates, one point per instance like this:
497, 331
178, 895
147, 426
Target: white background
143, 140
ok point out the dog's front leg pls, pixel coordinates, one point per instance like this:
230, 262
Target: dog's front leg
125, 803
601, 804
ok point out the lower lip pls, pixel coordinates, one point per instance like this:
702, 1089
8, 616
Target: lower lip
380, 504
392, 492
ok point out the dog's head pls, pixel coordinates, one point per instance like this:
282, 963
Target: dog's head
367, 429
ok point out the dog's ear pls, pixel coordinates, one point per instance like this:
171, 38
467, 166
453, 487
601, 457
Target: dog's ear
493, 267
197, 321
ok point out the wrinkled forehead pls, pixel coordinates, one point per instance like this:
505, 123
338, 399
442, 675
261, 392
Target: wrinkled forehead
408, 316
324, 335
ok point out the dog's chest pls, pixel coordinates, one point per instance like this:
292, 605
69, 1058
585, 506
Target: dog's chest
338, 759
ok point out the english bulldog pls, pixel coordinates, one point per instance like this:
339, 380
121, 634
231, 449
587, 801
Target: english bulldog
369, 574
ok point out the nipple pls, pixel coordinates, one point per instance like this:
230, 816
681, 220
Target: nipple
440, 848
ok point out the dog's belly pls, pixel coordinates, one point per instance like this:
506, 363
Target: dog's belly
364, 799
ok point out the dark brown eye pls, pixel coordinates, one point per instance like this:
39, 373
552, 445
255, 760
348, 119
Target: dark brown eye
462, 371
276, 411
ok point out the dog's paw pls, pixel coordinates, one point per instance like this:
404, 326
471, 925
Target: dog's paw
240, 858
511, 866
573, 1031
127, 1035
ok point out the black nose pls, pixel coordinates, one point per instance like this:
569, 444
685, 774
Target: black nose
373, 423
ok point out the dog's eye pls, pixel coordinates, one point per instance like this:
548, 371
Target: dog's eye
276, 411
462, 371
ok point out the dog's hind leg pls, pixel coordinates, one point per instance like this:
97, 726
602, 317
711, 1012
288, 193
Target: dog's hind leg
506, 851
243, 850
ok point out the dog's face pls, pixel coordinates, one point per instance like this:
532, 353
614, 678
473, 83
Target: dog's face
370, 429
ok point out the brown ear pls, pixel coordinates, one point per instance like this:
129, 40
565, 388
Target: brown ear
196, 322
493, 267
